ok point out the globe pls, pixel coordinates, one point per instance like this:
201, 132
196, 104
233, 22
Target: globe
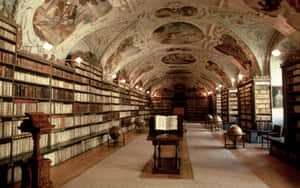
114, 132
139, 122
235, 130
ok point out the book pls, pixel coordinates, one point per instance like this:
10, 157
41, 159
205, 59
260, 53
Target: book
166, 123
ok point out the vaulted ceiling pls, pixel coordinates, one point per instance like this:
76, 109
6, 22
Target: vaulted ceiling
158, 44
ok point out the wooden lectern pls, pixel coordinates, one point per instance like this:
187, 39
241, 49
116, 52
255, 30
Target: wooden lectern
36, 171
166, 130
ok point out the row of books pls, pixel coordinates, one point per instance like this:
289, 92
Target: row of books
98, 128
79, 87
66, 153
125, 114
30, 77
88, 119
294, 88
263, 110
60, 94
25, 106
33, 65
62, 73
83, 72
25, 145
31, 91
6, 72
293, 67
7, 46
5, 150
5, 88
264, 117
8, 27
124, 107
90, 108
294, 79
62, 121
81, 79
10, 128
62, 108
67, 135
61, 84
97, 76
6, 57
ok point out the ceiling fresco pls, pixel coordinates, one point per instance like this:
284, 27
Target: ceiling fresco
55, 20
179, 58
177, 33
217, 70
183, 11
160, 44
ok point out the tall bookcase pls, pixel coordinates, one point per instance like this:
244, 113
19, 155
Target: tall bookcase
254, 99
224, 103
291, 100
79, 103
219, 104
229, 101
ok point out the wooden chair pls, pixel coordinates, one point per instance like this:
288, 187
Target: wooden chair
276, 132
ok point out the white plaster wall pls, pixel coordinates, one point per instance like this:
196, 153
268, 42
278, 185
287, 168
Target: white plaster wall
276, 80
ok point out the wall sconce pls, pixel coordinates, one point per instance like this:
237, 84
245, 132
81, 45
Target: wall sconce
141, 89
123, 81
148, 92
114, 76
276, 52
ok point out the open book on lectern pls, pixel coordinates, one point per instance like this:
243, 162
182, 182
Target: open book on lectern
166, 123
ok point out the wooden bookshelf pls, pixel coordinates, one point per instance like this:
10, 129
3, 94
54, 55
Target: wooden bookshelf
291, 99
254, 99
218, 104
79, 103
224, 103
229, 102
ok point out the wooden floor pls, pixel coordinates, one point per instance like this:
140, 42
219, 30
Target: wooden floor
272, 171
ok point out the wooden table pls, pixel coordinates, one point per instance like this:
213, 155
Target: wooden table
165, 165
234, 139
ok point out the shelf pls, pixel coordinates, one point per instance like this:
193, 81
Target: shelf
33, 71
32, 83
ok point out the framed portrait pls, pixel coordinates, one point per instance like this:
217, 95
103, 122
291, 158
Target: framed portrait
277, 96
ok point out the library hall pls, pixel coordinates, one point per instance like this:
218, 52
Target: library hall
149, 93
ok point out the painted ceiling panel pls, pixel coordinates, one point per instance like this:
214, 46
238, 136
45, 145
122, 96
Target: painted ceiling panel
196, 43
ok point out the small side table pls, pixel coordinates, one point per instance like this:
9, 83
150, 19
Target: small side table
235, 140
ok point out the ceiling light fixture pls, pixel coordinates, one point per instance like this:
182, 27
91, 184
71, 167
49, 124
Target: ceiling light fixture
78, 60
240, 76
276, 52
47, 46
